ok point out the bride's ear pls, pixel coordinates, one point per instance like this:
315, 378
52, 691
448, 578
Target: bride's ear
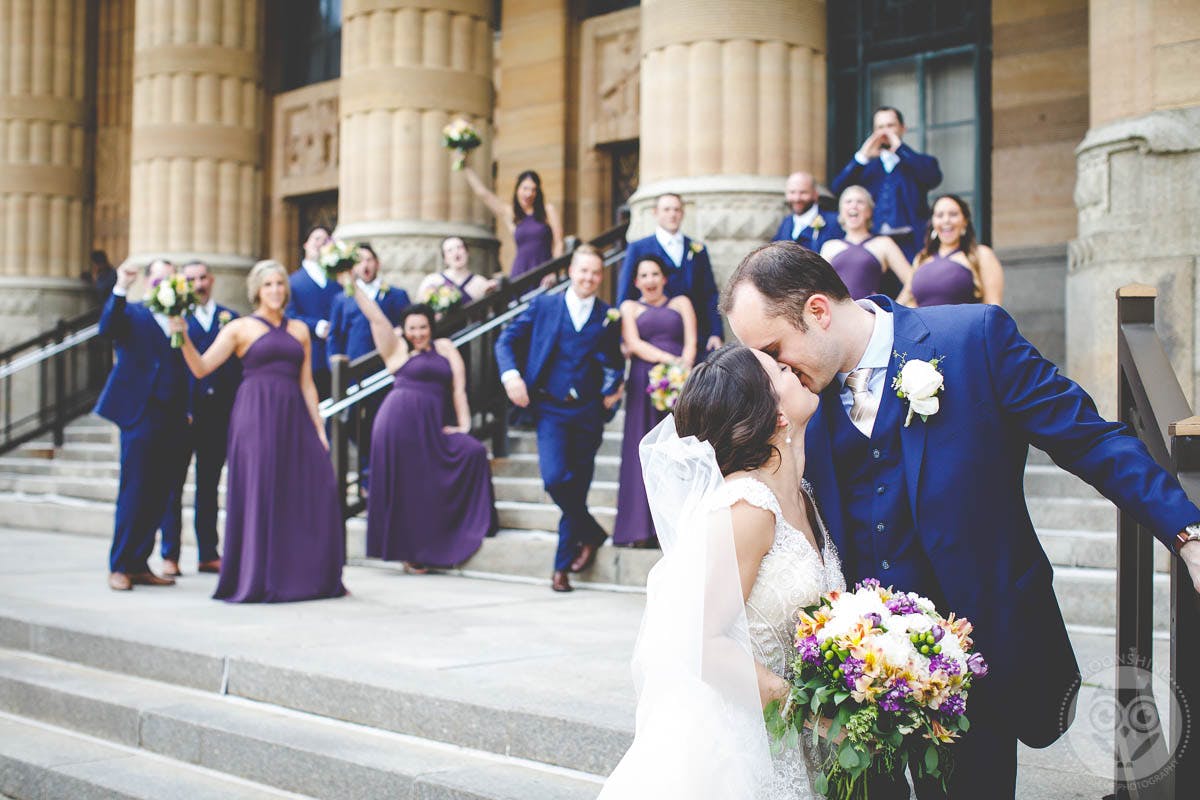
781, 421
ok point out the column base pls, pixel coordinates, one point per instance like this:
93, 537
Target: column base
31, 305
729, 214
410, 250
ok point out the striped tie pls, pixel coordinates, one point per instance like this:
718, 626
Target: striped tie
864, 407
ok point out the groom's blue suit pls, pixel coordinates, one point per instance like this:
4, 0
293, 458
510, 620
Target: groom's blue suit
567, 374
938, 507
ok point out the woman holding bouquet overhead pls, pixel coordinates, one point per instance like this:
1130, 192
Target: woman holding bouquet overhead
284, 535
439, 505
657, 330
534, 224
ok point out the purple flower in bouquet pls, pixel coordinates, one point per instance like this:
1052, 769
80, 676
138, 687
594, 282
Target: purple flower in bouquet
867, 583
938, 632
977, 665
852, 670
903, 604
893, 699
946, 665
809, 650
874, 619
953, 706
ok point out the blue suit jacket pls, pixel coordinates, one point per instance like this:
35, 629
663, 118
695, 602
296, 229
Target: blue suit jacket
964, 470
914, 176
310, 304
349, 330
831, 230
146, 365
694, 279
222, 384
535, 334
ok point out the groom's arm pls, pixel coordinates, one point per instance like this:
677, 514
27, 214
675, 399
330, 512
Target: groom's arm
1059, 417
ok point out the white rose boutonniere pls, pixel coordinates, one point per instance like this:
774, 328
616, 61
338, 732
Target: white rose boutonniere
223, 319
919, 382
383, 289
818, 223
611, 316
694, 250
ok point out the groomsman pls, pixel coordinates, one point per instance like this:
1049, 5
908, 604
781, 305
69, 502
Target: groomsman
807, 225
898, 178
571, 376
689, 270
210, 401
146, 396
312, 295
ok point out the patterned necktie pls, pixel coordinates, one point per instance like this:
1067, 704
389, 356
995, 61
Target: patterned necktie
864, 407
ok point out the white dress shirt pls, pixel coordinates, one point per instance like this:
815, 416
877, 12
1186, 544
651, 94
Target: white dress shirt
889, 159
205, 314
370, 289
161, 319
317, 273
802, 221
672, 243
580, 310
876, 357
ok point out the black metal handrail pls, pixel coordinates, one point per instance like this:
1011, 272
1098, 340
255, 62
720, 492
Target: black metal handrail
473, 330
1152, 403
51, 378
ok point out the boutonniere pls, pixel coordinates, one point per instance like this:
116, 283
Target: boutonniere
383, 289
919, 382
224, 318
817, 223
695, 249
611, 316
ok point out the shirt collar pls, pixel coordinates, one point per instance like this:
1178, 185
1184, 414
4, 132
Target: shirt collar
889, 159
802, 221
575, 302
879, 349
315, 272
665, 238
372, 288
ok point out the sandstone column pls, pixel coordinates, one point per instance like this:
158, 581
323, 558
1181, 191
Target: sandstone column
1135, 190
114, 114
732, 100
197, 136
408, 68
44, 162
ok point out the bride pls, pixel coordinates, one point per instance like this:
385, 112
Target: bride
744, 549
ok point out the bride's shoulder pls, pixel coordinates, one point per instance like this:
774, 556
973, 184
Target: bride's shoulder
742, 487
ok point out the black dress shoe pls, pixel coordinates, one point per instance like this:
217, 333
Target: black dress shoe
587, 555
560, 582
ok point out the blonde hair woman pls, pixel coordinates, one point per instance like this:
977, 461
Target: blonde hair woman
861, 258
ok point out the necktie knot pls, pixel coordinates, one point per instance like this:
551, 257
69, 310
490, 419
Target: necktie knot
863, 407
857, 380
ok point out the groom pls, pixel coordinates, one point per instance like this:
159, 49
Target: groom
571, 376
935, 505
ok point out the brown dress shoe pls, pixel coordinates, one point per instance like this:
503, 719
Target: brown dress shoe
210, 566
171, 568
587, 554
148, 578
119, 582
560, 582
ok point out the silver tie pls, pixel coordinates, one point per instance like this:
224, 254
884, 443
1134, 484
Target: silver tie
864, 407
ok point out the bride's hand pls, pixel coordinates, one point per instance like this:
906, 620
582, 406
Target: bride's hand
1190, 553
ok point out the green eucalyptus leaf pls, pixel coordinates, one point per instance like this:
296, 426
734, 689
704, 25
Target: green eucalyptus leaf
841, 697
848, 756
931, 759
821, 783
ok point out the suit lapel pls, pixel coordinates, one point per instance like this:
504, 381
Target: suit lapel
819, 468
911, 342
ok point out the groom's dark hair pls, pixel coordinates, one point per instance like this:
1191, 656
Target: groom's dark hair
786, 274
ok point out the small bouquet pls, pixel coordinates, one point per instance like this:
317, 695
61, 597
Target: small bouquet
337, 257
442, 298
462, 138
173, 297
884, 679
666, 382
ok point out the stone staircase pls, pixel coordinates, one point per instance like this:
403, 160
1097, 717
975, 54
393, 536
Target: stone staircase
71, 490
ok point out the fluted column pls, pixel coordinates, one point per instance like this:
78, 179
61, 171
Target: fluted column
732, 100
408, 68
197, 134
44, 161
114, 115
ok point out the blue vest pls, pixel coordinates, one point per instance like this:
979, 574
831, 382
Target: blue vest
218, 387
878, 519
573, 364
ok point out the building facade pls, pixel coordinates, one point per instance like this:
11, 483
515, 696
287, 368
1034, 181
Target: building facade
223, 129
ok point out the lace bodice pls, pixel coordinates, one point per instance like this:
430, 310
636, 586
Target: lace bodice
792, 575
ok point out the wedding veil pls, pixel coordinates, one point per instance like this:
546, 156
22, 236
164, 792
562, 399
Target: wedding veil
699, 730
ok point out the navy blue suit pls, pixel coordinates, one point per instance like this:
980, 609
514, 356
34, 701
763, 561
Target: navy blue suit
809, 238
567, 373
901, 196
210, 401
310, 304
693, 279
349, 329
938, 507
146, 396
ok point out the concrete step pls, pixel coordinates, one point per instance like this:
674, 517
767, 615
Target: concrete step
1049, 480
83, 488
522, 442
1072, 513
545, 516
1096, 549
39, 762
72, 451
1088, 597
530, 490
288, 750
525, 465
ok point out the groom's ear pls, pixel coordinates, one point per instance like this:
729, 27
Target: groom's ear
820, 308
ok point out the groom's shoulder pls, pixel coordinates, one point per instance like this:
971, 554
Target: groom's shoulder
954, 319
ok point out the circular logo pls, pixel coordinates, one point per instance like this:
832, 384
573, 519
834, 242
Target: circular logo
1129, 715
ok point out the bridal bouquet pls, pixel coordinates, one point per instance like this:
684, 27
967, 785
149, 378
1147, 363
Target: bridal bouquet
336, 257
665, 384
884, 678
461, 137
442, 298
173, 297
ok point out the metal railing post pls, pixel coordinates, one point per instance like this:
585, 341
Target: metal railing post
339, 449
1185, 623
60, 385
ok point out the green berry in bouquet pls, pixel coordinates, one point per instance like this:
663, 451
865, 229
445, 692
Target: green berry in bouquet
172, 296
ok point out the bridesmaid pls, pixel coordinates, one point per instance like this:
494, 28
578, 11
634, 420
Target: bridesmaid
656, 330
284, 535
953, 268
861, 258
533, 223
440, 506
457, 274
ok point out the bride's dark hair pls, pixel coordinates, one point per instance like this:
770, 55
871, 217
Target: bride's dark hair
730, 402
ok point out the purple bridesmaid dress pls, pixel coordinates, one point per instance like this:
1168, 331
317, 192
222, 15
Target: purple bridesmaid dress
284, 535
431, 500
663, 328
534, 241
859, 269
942, 281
